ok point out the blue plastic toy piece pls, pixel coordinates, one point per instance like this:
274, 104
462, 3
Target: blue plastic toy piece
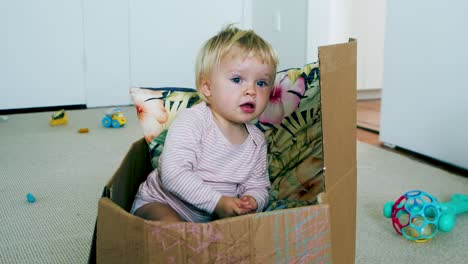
30, 197
458, 204
115, 123
106, 121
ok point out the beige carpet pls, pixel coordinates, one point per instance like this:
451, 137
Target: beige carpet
384, 176
66, 172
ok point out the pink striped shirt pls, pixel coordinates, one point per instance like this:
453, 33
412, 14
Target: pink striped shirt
198, 165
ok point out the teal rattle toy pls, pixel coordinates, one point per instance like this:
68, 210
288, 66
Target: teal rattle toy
418, 216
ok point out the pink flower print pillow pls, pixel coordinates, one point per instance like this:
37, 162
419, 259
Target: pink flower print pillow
284, 98
156, 109
150, 111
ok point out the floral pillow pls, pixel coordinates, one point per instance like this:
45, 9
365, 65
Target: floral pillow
291, 123
156, 109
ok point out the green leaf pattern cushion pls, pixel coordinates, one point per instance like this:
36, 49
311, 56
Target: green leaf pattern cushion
291, 123
295, 144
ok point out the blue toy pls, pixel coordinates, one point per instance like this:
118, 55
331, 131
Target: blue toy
418, 216
30, 197
114, 118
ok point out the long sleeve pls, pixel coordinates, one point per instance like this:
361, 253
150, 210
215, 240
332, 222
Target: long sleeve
178, 163
258, 185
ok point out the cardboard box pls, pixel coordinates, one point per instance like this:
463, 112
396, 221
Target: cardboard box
313, 234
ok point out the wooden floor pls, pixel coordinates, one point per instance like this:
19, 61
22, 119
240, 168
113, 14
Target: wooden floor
368, 121
368, 127
368, 115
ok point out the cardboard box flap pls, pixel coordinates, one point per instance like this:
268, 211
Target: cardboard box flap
119, 235
338, 93
124, 184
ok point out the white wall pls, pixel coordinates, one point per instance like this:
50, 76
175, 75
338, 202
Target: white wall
284, 25
368, 26
340, 20
90, 52
318, 27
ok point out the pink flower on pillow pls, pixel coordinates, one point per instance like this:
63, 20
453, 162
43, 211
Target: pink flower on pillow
150, 110
284, 98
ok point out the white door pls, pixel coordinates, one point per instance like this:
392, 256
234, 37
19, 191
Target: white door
424, 100
41, 53
106, 25
165, 37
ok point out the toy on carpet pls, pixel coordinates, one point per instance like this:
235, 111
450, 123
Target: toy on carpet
83, 130
114, 118
30, 197
59, 118
418, 216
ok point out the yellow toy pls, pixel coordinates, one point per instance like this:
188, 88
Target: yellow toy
59, 118
114, 118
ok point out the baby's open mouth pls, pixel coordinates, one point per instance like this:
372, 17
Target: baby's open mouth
248, 107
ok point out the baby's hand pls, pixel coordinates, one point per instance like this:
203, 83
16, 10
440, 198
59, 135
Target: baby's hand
249, 203
231, 206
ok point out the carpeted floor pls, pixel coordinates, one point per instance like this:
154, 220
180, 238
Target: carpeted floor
66, 172
384, 176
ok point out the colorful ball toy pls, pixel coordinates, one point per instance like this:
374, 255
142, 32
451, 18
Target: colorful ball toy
418, 216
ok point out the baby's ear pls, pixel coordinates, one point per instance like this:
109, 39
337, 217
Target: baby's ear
205, 87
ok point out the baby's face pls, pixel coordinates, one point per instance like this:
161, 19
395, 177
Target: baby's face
239, 87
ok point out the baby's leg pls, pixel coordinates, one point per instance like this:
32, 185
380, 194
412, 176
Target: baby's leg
158, 212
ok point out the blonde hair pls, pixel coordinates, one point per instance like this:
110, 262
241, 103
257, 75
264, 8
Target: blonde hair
218, 46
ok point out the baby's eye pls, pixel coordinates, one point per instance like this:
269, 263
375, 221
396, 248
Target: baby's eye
262, 83
236, 80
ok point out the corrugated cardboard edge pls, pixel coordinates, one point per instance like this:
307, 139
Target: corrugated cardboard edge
297, 235
338, 94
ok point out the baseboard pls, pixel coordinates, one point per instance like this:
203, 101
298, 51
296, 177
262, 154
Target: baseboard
41, 109
369, 94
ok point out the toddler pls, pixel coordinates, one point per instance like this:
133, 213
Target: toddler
214, 162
